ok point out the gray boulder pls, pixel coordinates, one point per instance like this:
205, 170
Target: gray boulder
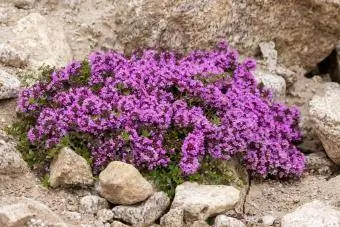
325, 113
143, 214
11, 162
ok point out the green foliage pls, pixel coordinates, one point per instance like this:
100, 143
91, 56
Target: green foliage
45, 181
214, 172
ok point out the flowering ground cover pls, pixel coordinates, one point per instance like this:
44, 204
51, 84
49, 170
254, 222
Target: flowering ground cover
159, 109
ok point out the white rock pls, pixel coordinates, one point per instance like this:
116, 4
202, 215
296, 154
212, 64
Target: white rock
145, 213
174, 218
225, 221
313, 214
202, 201
11, 57
104, 215
269, 54
11, 162
121, 183
272, 82
17, 211
325, 113
268, 220
118, 224
70, 169
91, 204
42, 40
9, 85
72, 215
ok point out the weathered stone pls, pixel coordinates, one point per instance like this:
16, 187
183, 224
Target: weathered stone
269, 54
202, 201
319, 163
272, 82
145, 213
91, 204
17, 211
104, 215
9, 85
11, 162
268, 220
23, 4
199, 223
189, 24
325, 113
174, 218
121, 183
42, 40
70, 169
313, 214
289, 76
118, 224
225, 221
11, 57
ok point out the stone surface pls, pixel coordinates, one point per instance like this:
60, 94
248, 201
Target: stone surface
225, 221
313, 214
9, 85
23, 4
17, 211
104, 215
39, 38
269, 54
174, 218
91, 204
272, 82
70, 169
319, 163
268, 220
143, 214
199, 223
118, 224
202, 201
288, 75
11, 57
11, 162
121, 183
304, 32
325, 113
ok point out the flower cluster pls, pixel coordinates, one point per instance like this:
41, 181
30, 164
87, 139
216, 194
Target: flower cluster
153, 106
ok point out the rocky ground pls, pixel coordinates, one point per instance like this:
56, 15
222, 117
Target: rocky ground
34, 32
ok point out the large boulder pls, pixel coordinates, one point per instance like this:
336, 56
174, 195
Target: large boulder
325, 113
9, 85
70, 169
202, 201
313, 214
18, 211
143, 214
11, 162
121, 183
303, 31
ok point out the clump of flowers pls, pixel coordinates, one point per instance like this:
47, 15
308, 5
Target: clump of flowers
155, 108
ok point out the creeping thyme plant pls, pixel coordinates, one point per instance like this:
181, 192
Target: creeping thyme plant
162, 111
